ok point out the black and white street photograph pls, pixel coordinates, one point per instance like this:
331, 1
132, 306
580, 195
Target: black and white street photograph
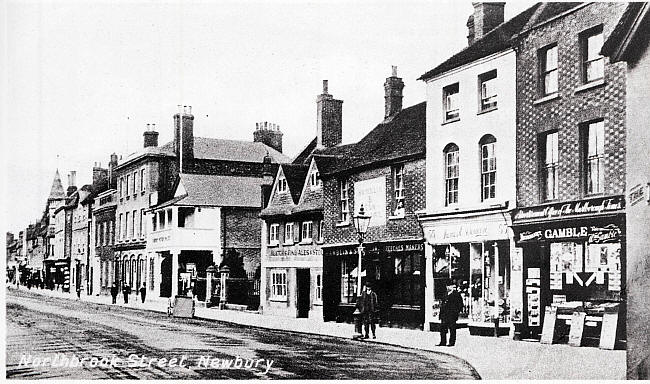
331, 190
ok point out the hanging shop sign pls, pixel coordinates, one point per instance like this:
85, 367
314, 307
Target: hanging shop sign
603, 205
593, 234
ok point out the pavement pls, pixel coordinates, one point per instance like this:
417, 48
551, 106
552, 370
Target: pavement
493, 358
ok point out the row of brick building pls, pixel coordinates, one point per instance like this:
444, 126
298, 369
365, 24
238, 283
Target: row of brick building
509, 180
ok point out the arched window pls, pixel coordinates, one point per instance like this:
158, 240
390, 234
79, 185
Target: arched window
451, 174
487, 145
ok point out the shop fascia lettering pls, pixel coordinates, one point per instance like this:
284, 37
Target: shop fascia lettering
594, 234
572, 209
297, 252
466, 232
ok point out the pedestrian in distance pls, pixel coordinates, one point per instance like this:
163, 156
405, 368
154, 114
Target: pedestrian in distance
126, 291
369, 308
143, 292
450, 308
79, 292
114, 292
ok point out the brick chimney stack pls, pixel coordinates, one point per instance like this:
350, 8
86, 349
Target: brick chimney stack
393, 94
72, 183
188, 136
269, 134
486, 17
112, 178
329, 119
150, 136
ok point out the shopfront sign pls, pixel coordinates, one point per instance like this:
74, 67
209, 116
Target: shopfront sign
594, 234
415, 246
573, 209
465, 233
639, 193
296, 252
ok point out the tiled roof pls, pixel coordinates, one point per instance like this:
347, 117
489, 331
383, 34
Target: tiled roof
219, 191
232, 150
500, 37
295, 175
303, 156
404, 135
623, 36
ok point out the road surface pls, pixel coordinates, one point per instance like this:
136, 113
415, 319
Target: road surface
48, 337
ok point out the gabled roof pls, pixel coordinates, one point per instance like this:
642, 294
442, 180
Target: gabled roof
402, 136
57, 191
218, 191
630, 36
500, 37
304, 155
295, 175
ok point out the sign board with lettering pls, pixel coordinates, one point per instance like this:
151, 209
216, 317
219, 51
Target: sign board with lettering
592, 207
372, 194
548, 329
593, 234
608, 331
577, 328
466, 232
639, 193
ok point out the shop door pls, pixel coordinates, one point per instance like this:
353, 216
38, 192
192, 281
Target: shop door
166, 276
303, 282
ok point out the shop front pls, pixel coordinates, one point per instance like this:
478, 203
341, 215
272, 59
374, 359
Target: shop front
573, 263
396, 270
57, 274
474, 252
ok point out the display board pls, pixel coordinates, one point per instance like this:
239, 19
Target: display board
608, 331
577, 327
548, 330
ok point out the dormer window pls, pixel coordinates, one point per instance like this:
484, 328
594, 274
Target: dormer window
314, 179
282, 185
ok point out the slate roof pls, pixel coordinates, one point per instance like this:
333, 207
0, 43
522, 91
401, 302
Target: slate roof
626, 36
304, 155
218, 191
500, 37
57, 191
231, 150
402, 136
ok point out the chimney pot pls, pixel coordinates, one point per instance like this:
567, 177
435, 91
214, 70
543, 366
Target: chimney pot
394, 71
324, 87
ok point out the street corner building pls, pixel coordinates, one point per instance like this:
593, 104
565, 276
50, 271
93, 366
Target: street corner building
191, 204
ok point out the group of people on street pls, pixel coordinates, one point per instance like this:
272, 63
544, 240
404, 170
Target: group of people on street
450, 308
126, 291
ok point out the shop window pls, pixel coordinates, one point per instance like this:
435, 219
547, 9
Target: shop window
593, 63
279, 285
550, 156
548, 70
487, 86
274, 238
594, 157
398, 190
450, 103
407, 279
451, 174
288, 233
348, 282
344, 201
488, 167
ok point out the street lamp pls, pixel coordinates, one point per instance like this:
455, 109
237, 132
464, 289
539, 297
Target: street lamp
361, 223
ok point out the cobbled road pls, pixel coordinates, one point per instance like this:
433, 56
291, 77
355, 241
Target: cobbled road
40, 327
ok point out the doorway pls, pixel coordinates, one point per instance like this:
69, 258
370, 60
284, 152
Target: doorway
303, 282
166, 275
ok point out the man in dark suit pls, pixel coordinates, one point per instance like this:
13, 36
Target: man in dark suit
369, 308
450, 307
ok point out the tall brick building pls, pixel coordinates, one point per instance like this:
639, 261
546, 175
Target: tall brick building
570, 220
385, 173
630, 43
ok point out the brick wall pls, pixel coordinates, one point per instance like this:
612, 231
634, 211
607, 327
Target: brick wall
572, 108
241, 228
394, 229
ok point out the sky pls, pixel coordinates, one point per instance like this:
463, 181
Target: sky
82, 79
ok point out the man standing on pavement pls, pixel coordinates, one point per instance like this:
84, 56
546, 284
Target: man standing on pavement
368, 306
143, 292
126, 291
114, 292
451, 306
